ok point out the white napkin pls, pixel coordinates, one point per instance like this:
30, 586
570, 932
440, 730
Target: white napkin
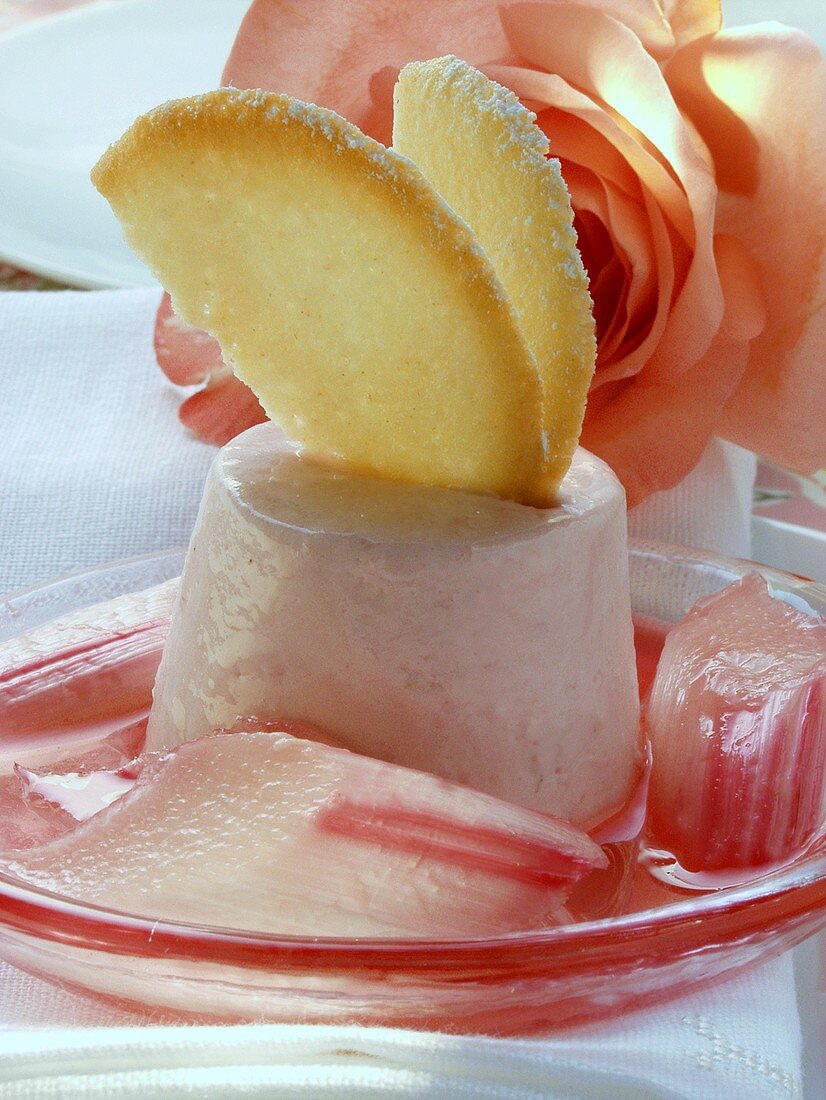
94, 466
710, 509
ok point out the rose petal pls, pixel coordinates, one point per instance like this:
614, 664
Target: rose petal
627, 227
602, 254
644, 17
589, 129
186, 355
746, 304
689, 311
691, 19
645, 335
608, 290
595, 53
653, 433
591, 145
326, 52
662, 25
225, 407
774, 200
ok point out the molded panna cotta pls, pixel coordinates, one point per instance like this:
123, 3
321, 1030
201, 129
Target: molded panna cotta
479, 639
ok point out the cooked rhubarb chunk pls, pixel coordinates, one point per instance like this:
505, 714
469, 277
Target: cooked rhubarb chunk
737, 720
25, 822
40, 803
80, 678
267, 832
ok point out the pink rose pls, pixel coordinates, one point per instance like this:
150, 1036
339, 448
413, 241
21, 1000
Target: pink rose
696, 161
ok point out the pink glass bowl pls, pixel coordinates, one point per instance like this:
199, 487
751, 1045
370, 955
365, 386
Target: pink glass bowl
513, 984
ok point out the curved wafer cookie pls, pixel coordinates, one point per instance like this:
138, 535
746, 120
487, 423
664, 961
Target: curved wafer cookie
485, 155
340, 287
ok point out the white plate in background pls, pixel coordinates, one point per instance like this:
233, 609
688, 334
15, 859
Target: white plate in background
70, 85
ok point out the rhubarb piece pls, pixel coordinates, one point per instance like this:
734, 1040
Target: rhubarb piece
475, 638
267, 832
340, 287
737, 720
43, 801
75, 680
485, 155
26, 823
80, 796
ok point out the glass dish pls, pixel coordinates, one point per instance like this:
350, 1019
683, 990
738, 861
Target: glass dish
518, 983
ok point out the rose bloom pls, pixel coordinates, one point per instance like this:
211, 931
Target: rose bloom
696, 162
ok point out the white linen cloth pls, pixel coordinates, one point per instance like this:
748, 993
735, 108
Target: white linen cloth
710, 509
94, 466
